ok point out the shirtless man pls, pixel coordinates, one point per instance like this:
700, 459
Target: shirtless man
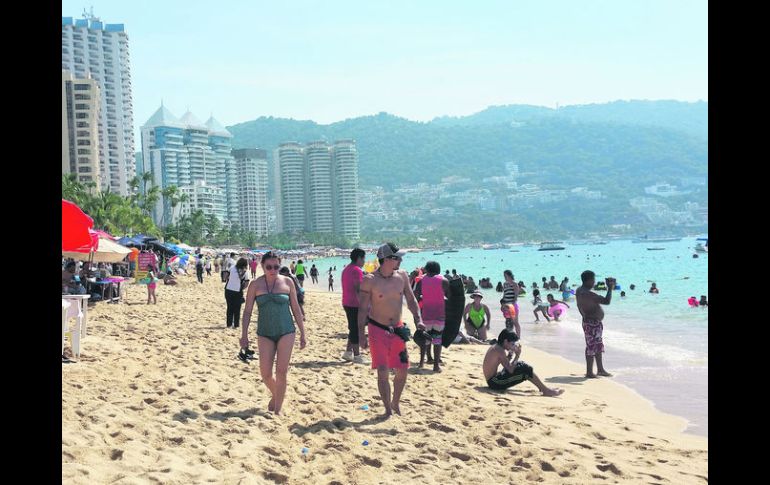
588, 303
514, 372
382, 292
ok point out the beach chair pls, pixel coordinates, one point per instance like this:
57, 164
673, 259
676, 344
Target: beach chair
65, 305
78, 310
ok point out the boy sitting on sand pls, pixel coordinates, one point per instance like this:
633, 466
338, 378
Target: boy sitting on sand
514, 371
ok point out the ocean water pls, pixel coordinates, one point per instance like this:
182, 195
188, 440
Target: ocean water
655, 344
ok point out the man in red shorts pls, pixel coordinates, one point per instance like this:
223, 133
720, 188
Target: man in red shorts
382, 292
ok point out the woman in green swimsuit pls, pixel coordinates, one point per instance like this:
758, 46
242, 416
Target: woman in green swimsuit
273, 294
475, 315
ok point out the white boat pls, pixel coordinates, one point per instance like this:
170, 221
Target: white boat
550, 246
491, 246
702, 248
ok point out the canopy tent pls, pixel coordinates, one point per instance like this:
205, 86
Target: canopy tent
139, 240
185, 247
76, 234
175, 248
161, 248
106, 252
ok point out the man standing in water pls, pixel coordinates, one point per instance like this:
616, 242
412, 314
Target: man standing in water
588, 303
382, 292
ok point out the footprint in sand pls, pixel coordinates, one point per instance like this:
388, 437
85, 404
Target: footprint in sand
609, 466
373, 462
546, 467
459, 455
276, 477
441, 427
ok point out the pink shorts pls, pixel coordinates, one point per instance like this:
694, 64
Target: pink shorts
385, 348
152, 285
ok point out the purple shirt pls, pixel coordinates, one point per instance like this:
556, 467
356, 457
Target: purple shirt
351, 275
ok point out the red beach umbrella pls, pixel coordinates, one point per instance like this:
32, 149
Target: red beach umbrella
76, 235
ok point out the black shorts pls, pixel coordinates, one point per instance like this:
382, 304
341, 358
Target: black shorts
503, 380
301, 277
352, 314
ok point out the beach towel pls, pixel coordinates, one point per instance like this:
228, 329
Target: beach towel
453, 311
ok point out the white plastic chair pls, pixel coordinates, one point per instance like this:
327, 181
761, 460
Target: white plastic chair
65, 305
79, 311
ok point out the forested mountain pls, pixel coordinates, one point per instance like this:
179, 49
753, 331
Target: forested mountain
617, 147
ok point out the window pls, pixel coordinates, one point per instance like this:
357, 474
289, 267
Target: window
82, 87
84, 151
82, 97
81, 116
81, 106
82, 133
84, 142
82, 124
86, 168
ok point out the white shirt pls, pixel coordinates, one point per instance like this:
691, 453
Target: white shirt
228, 264
234, 281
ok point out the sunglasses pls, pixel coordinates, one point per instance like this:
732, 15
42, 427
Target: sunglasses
270, 267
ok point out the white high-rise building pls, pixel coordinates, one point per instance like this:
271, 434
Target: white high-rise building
346, 210
320, 202
185, 151
92, 48
252, 189
316, 188
290, 188
80, 134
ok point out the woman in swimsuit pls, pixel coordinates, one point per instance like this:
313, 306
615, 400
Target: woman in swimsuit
273, 294
475, 315
511, 291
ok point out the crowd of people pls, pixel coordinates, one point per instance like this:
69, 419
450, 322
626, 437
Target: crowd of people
372, 302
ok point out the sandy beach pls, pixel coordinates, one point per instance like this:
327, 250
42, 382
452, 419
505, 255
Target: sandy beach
158, 396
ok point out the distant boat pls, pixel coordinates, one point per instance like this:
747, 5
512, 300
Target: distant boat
700, 248
491, 246
657, 239
513, 251
655, 249
451, 251
550, 246
437, 254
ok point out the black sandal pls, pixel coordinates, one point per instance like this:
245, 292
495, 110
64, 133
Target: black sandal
243, 356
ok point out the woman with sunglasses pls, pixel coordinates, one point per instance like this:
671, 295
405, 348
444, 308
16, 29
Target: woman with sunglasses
273, 294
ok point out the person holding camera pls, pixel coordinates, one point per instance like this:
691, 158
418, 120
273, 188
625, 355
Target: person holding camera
588, 304
382, 293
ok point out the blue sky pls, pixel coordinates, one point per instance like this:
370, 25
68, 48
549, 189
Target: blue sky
338, 59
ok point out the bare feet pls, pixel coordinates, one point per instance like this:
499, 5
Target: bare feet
591, 376
396, 409
604, 373
388, 413
436, 368
271, 405
553, 392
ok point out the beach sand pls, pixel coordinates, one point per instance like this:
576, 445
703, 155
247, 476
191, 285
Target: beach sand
158, 396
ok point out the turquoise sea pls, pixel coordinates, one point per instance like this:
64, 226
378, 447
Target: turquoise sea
655, 344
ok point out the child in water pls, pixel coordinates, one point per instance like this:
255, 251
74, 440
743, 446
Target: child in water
540, 306
553, 303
